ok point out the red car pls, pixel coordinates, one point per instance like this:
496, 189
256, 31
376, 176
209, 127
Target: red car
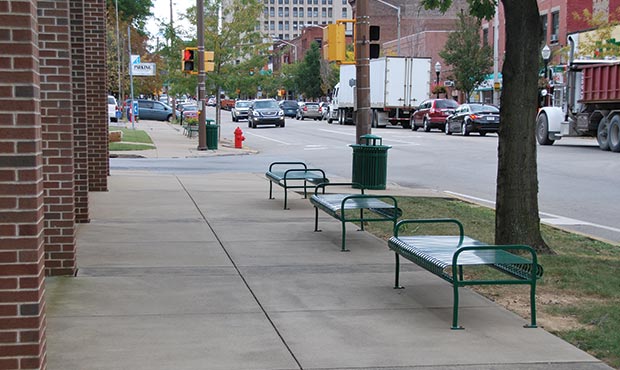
433, 113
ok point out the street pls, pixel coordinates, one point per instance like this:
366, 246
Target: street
577, 181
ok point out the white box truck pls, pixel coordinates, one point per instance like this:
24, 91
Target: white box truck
397, 86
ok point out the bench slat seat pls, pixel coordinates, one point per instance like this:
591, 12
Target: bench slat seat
293, 175
384, 207
446, 255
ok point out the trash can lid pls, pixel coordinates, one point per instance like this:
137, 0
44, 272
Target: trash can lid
371, 139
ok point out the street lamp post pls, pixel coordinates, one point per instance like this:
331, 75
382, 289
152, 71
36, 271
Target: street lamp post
437, 72
290, 44
546, 54
397, 23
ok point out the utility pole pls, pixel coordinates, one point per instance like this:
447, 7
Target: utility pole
202, 128
362, 69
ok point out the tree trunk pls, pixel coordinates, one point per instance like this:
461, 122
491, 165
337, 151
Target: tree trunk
517, 220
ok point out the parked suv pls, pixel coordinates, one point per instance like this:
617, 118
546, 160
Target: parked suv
433, 113
112, 107
240, 110
154, 110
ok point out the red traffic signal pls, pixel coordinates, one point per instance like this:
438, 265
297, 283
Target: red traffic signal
188, 65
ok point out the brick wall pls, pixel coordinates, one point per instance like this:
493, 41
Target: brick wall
80, 132
96, 95
22, 303
57, 134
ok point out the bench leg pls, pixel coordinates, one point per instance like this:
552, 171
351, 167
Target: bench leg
316, 219
344, 234
532, 305
270, 189
455, 307
397, 272
361, 219
285, 197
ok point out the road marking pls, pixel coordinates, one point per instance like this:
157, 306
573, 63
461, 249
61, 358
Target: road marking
548, 218
267, 138
315, 147
338, 132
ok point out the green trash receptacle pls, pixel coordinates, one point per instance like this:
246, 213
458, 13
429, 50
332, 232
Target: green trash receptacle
370, 162
212, 134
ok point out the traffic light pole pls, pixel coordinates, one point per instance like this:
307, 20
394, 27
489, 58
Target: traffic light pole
362, 69
202, 128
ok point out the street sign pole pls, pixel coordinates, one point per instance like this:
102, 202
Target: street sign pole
133, 114
202, 128
362, 70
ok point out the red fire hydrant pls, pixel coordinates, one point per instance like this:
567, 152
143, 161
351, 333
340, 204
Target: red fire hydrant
239, 138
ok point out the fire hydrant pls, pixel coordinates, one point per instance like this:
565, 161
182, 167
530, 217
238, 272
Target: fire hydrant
239, 138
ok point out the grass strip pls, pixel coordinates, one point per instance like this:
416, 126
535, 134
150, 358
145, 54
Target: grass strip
578, 298
132, 140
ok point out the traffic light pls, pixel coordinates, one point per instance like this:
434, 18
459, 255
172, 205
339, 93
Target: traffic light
209, 65
334, 42
189, 63
374, 34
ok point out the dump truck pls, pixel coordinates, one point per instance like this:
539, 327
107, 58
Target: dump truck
397, 86
587, 105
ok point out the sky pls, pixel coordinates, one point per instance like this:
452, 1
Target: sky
161, 9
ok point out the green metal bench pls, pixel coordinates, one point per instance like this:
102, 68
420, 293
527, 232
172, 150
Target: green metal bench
445, 256
384, 207
293, 175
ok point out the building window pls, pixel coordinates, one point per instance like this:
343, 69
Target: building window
272, 26
344, 2
330, 12
266, 26
301, 12
286, 26
309, 12
295, 13
287, 12
280, 27
543, 20
323, 12
330, 2
485, 36
555, 26
316, 12
272, 12
280, 11
265, 11
344, 13
294, 25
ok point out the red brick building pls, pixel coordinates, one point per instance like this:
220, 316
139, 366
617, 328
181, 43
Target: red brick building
53, 151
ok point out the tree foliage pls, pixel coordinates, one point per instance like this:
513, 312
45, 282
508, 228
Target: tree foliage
517, 220
309, 73
134, 12
600, 42
470, 60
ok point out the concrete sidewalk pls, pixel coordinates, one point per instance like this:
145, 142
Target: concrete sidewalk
205, 272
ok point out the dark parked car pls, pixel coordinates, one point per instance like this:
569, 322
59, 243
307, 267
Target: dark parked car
432, 113
309, 110
265, 112
154, 110
480, 118
289, 107
240, 110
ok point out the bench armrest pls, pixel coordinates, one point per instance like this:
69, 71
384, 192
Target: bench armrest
535, 271
323, 186
352, 197
432, 221
304, 170
288, 164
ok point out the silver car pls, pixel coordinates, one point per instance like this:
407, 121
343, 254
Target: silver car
240, 110
309, 110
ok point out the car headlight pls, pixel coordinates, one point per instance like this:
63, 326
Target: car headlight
256, 114
280, 113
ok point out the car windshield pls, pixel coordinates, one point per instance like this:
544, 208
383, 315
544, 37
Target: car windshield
451, 104
111, 100
242, 104
266, 104
190, 107
483, 108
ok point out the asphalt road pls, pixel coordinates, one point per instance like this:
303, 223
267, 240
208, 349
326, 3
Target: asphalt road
578, 182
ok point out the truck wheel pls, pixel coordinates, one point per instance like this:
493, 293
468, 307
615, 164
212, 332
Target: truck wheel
542, 130
614, 134
341, 117
602, 133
